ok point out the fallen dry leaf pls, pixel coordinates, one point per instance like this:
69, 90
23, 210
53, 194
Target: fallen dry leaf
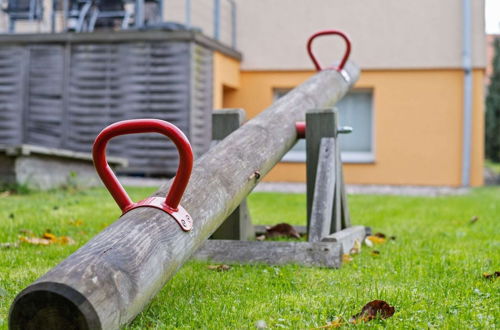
372, 310
282, 230
219, 268
376, 239
76, 223
35, 240
51, 237
375, 253
356, 247
66, 240
346, 258
492, 275
473, 219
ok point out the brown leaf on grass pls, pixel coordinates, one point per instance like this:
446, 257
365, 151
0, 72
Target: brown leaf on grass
492, 275
66, 240
51, 237
76, 222
219, 268
375, 253
376, 240
346, 258
46, 239
35, 240
372, 310
379, 235
282, 230
473, 219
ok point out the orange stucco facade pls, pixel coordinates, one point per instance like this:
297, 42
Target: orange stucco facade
417, 122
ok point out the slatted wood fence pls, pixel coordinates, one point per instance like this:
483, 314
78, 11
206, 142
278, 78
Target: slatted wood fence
61, 90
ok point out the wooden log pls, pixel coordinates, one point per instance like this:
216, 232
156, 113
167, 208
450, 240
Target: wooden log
347, 237
323, 198
317, 254
259, 230
109, 280
239, 224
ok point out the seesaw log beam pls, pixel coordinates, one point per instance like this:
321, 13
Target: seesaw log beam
109, 280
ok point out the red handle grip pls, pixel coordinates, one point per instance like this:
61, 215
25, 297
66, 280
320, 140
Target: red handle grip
134, 126
324, 33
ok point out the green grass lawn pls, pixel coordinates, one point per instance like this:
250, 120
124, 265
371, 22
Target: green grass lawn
431, 273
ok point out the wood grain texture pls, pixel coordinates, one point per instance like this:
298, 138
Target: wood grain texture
324, 190
238, 226
122, 268
346, 237
320, 123
62, 94
336, 222
315, 254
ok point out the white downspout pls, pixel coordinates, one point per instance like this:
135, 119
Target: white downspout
467, 110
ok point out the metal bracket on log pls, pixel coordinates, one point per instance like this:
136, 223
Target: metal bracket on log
109, 280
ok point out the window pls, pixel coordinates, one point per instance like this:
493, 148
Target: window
355, 110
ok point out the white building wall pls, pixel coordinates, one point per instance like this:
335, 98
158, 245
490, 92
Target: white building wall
386, 34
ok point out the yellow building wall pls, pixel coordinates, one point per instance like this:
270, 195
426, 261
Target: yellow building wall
417, 124
226, 77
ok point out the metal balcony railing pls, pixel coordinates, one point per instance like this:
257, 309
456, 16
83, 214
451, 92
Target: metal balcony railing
215, 18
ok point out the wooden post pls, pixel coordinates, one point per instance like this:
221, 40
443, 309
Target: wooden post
324, 190
320, 123
238, 226
109, 280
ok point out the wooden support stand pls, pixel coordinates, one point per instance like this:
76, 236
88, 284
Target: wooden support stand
238, 226
327, 210
329, 230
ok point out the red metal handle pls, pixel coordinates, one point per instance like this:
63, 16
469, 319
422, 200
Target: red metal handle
134, 126
324, 33
300, 127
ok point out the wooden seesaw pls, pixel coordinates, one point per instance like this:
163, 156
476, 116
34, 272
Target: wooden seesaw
112, 278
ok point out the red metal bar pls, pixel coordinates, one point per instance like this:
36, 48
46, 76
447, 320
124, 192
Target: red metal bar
329, 32
134, 126
300, 126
